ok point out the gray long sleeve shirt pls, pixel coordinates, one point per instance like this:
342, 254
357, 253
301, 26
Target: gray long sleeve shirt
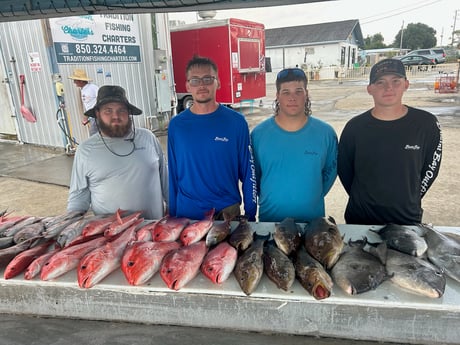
106, 182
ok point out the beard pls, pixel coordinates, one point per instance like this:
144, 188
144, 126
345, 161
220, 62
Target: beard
114, 130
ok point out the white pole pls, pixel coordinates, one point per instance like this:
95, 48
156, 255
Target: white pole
401, 39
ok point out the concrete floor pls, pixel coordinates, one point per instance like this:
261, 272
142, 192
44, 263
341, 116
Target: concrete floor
50, 166
20, 330
33, 163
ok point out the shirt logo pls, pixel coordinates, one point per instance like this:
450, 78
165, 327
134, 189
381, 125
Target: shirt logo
224, 139
412, 147
312, 153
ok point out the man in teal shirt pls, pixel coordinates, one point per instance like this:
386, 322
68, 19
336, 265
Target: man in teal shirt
295, 155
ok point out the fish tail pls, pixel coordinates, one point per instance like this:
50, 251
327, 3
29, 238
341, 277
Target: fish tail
210, 214
260, 237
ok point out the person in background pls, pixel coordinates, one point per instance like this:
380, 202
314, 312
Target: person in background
390, 155
295, 155
88, 92
209, 152
121, 167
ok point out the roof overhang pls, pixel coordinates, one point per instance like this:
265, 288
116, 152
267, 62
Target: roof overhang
304, 44
16, 10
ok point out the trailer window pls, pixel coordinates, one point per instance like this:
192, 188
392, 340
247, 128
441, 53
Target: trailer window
249, 54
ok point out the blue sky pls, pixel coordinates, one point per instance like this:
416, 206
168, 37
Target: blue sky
384, 16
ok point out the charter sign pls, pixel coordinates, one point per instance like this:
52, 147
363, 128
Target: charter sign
96, 38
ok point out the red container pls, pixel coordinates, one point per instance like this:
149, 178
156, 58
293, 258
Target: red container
446, 84
238, 48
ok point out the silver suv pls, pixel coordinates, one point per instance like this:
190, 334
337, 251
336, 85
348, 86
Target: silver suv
441, 54
429, 53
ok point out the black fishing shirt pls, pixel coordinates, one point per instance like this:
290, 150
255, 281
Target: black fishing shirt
386, 167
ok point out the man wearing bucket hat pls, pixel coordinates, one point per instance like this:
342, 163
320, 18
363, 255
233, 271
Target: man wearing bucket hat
88, 93
121, 167
390, 155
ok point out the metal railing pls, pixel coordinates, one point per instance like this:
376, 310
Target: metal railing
333, 72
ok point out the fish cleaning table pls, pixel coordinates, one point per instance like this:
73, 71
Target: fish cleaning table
387, 314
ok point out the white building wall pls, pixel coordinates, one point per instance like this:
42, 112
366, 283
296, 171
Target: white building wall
308, 57
18, 39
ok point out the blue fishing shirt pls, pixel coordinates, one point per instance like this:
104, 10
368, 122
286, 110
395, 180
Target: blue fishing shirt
209, 157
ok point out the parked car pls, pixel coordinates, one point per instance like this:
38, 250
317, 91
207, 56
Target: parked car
441, 54
430, 53
422, 62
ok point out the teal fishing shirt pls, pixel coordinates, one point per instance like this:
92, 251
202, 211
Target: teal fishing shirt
294, 170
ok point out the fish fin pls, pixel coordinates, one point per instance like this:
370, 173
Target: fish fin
331, 219
358, 243
4, 214
270, 242
118, 216
241, 218
379, 250
373, 244
139, 223
210, 214
423, 228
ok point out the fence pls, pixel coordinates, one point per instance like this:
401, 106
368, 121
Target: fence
333, 72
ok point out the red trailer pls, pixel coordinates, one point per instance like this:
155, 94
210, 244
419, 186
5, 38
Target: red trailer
238, 48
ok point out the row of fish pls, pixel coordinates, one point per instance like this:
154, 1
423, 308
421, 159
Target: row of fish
416, 259
178, 248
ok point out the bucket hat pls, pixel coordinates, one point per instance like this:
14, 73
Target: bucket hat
79, 74
112, 93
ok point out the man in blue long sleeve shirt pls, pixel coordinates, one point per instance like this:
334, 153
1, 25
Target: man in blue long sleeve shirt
209, 152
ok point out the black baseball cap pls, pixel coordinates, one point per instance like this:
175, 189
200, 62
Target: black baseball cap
385, 67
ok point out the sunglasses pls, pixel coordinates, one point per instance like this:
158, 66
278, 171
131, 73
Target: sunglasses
297, 72
207, 80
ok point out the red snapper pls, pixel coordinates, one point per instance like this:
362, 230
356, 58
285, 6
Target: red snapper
99, 263
182, 265
196, 231
219, 263
168, 229
142, 260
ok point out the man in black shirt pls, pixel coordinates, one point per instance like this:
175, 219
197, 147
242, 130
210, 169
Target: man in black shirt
390, 155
